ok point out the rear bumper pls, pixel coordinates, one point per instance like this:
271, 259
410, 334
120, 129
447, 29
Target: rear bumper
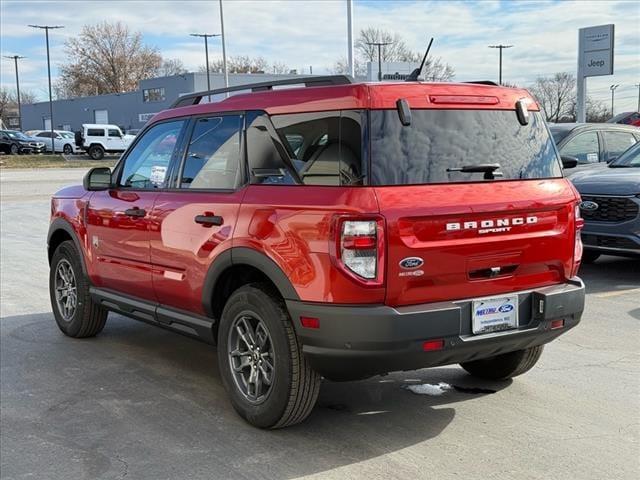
359, 341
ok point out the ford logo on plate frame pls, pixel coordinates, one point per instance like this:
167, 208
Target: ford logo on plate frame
410, 263
589, 206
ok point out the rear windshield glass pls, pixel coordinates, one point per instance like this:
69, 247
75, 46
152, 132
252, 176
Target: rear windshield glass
440, 140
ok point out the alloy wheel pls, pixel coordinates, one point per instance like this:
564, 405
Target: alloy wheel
251, 357
66, 290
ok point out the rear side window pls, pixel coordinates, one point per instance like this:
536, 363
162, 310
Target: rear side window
95, 132
618, 142
325, 147
440, 140
213, 155
584, 147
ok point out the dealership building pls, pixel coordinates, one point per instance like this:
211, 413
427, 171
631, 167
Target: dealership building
130, 110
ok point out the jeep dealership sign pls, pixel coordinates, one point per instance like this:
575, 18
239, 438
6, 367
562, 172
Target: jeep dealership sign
595, 58
595, 54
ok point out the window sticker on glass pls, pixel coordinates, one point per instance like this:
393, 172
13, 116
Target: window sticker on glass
157, 174
592, 157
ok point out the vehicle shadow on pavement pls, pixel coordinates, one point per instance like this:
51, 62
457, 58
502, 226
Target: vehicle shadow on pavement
609, 274
143, 401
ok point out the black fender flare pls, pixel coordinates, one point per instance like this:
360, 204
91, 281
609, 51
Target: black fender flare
62, 224
244, 256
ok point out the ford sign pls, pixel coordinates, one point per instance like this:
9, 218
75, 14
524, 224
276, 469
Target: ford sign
410, 263
589, 206
505, 308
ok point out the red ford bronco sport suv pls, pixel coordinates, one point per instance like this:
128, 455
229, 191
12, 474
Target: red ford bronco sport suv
340, 230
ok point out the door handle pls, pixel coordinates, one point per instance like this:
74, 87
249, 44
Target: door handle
209, 220
135, 212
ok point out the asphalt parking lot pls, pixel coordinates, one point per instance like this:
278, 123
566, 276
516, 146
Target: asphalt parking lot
142, 403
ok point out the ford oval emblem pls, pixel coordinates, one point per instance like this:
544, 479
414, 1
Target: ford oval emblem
410, 263
589, 206
505, 308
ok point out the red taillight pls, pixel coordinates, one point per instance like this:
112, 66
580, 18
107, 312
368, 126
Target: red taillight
555, 324
359, 248
310, 322
433, 345
577, 247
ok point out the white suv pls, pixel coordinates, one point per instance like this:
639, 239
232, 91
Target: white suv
97, 139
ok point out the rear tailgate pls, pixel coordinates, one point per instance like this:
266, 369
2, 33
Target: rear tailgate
476, 239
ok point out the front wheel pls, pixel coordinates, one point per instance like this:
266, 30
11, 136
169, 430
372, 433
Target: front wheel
270, 383
505, 366
67, 149
14, 150
75, 313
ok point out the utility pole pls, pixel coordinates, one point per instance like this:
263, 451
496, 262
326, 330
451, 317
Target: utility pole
379, 45
224, 51
15, 59
46, 29
206, 36
613, 93
638, 85
352, 69
500, 47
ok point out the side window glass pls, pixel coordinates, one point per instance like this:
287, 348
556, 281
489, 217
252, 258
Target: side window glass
114, 133
44, 134
618, 142
266, 159
95, 132
327, 147
213, 156
147, 163
584, 147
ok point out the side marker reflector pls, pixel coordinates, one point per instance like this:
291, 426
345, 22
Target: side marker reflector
310, 322
433, 345
555, 324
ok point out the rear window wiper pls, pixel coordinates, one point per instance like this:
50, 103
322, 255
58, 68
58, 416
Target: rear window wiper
489, 170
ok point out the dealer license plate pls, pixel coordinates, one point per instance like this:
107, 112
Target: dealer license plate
494, 314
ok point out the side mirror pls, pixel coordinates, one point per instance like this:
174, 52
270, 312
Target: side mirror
612, 158
569, 162
98, 178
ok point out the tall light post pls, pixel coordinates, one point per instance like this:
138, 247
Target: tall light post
352, 70
224, 51
15, 59
638, 85
500, 47
613, 93
46, 29
206, 36
379, 45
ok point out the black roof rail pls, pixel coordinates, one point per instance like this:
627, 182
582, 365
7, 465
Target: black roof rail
319, 81
484, 82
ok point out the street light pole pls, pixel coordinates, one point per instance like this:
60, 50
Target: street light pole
500, 47
206, 36
46, 29
224, 51
351, 67
613, 92
15, 59
379, 45
638, 85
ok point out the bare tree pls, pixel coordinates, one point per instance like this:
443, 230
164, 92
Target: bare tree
596, 111
240, 64
341, 67
172, 66
280, 68
555, 95
7, 103
106, 58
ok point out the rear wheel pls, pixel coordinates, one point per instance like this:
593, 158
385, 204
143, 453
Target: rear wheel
505, 366
75, 313
268, 379
590, 256
67, 149
96, 152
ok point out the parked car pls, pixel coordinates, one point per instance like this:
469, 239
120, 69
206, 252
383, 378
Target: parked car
593, 144
611, 207
339, 231
98, 139
13, 142
626, 118
63, 142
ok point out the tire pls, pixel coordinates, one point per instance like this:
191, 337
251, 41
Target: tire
87, 318
14, 149
96, 152
590, 256
67, 149
294, 386
503, 367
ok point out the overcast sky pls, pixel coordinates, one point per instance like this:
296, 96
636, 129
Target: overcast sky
303, 33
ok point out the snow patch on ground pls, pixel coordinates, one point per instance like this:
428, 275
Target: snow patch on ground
429, 388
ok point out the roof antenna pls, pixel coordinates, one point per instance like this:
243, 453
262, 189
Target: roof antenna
413, 76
